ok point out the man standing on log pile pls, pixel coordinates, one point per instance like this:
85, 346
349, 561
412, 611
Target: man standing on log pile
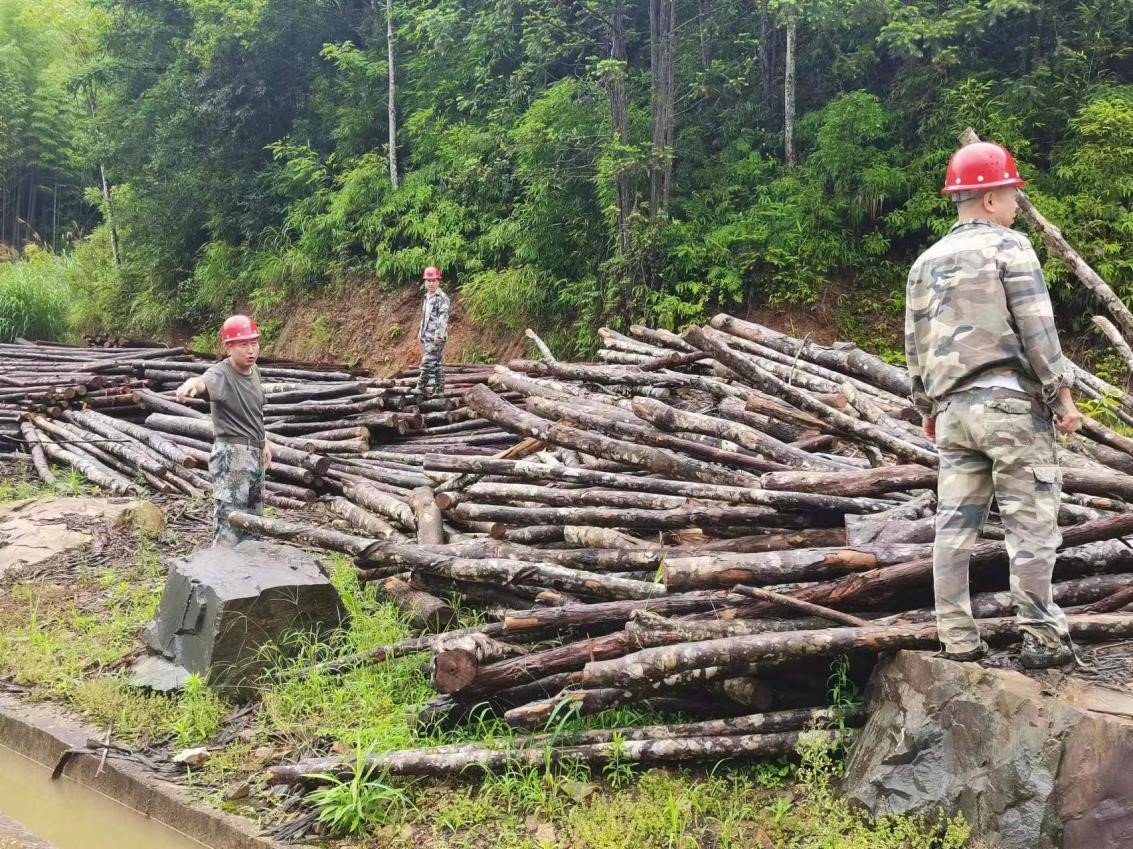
433, 333
240, 453
989, 377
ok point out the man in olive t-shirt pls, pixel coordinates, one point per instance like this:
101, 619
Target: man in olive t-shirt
240, 453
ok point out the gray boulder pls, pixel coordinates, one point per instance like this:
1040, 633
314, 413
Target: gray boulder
1032, 764
222, 606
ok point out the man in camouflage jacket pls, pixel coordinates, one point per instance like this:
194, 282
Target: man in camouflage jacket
433, 333
992, 384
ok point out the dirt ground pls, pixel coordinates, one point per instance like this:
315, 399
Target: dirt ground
375, 329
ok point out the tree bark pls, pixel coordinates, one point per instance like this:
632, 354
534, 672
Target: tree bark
293, 532
843, 357
713, 342
505, 572
391, 109
424, 611
490, 406
709, 571
632, 671
789, 90
441, 763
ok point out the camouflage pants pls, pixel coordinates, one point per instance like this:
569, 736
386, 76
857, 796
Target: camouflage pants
237, 484
432, 367
996, 442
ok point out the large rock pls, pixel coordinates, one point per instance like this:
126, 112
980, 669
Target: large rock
1032, 764
223, 605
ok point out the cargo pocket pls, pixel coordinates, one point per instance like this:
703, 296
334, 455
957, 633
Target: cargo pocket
1047, 478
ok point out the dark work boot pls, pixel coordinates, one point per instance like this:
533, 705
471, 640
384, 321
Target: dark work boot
978, 653
1039, 655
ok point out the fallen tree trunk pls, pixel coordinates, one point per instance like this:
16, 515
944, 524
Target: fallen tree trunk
425, 611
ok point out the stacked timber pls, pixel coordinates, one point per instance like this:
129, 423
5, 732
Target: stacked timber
699, 523
111, 414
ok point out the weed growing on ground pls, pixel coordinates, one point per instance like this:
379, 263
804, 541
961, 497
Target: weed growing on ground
68, 482
353, 805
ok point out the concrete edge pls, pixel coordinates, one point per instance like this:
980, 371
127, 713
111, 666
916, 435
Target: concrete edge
42, 732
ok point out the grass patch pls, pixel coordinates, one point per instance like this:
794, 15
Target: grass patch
34, 297
68, 482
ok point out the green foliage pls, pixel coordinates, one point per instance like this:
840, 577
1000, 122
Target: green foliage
245, 148
34, 296
200, 711
351, 806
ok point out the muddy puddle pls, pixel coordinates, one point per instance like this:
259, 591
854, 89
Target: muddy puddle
70, 816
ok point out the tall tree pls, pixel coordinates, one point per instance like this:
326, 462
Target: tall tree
391, 54
662, 26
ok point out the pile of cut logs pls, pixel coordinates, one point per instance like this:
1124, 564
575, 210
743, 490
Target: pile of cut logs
698, 522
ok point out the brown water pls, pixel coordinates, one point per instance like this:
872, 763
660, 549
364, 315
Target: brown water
72, 816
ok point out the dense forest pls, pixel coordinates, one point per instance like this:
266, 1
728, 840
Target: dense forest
567, 162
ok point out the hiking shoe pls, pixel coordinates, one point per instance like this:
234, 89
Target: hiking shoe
1039, 655
977, 653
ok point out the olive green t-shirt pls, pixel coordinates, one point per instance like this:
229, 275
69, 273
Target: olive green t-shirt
236, 401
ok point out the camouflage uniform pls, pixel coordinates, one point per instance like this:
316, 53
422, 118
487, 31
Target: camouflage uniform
237, 471
433, 333
985, 361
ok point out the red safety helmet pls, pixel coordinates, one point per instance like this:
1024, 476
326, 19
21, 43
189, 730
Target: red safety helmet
238, 328
982, 165
432, 273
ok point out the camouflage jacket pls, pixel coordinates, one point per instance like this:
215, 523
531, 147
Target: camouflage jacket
434, 317
977, 307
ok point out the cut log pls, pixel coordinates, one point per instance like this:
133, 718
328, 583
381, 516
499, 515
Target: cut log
430, 523
709, 571
382, 503
368, 523
441, 764
632, 671
293, 532
850, 483
843, 358
35, 449
710, 340
670, 418
507, 572
423, 610
784, 496
491, 406
780, 600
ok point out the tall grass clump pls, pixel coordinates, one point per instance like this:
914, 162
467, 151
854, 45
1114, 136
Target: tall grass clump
34, 297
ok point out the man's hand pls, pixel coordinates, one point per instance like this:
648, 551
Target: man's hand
1069, 420
191, 388
930, 429
267, 455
